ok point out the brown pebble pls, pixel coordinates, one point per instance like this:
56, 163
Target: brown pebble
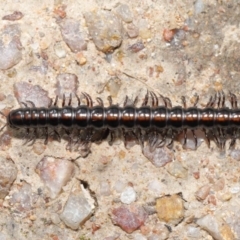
16, 15
168, 34
202, 192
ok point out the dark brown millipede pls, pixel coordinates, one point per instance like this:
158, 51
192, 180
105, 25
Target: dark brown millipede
149, 122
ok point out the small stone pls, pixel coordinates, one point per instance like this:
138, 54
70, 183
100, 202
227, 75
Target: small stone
5, 140
170, 209
217, 228
202, 192
124, 13
55, 173
39, 148
78, 208
193, 232
67, 84
113, 86
105, 28
60, 11
226, 196
8, 174
22, 200
157, 187
160, 231
10, 51
26, 92
16, 15
59, 50
120, 185
235, 154
132, 30
81, 59
168, 34
212, 200
219, 185
55, 218
159, 157
177, 170
105, 188
136, 47
129, 218
128, 195
72, 35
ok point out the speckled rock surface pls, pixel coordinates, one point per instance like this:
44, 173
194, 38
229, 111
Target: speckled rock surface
175, 48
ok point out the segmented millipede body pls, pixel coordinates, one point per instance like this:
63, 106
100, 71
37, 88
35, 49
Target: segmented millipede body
151, 118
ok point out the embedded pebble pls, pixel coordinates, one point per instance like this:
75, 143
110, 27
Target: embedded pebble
81, 59
157, 187
25, 92
5, 140
59, 50
159, 157
113, 86
8, 174
39, 148
105, 28
120, 185
55, 173
78, 208
136, 47
132, 30
193, 232
128, 195
16, 15
129, 218
217, 228
235, 154
73, 35
170, 209
177, 170
124, 12
202, 192
10, 51
161, 232
22, 199
67, 84
219, 184
105, 188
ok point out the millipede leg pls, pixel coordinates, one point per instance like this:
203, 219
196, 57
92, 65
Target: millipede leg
185, 136
196, 101
152, 100
184, 101
64, 99
170, 144
55, 102
223, 99
135, 101
195, 138
156, 98
78, 99
145, 101
100, 102
125, 101
46, 138
109, 98
207, 138
70, 100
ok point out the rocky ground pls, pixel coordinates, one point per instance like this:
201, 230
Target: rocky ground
176, 48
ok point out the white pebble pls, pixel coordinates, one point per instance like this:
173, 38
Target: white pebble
128, 195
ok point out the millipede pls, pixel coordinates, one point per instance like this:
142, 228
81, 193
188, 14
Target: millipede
156, 124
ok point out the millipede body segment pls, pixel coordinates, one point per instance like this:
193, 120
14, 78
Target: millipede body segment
150, 122
128, 117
